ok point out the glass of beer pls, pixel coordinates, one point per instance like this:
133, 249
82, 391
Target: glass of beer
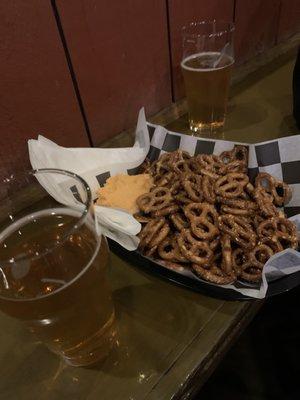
206, 65
53, 264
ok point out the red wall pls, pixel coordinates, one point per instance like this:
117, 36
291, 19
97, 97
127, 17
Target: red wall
81, 69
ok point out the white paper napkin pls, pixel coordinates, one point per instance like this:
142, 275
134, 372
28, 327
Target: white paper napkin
90, 163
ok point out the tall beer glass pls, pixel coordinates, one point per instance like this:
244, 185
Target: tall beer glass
53, 264
206, 65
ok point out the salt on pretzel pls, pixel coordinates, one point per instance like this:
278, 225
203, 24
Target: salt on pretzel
208, 190
194, 250
169, 250
214, 274
231, 185
280, 191
280, 230
158, 198
238, 229
192, 185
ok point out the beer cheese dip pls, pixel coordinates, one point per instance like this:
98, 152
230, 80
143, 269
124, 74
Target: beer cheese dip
122, 190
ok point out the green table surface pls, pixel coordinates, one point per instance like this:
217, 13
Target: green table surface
170, 338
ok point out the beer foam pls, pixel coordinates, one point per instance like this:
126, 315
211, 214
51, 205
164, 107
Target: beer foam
213, 54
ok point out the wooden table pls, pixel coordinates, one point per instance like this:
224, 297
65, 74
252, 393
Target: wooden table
170, 339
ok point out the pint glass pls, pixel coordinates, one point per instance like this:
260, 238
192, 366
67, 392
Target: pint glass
53, 265
206, 65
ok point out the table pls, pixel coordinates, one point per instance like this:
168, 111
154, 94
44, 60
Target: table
170, 339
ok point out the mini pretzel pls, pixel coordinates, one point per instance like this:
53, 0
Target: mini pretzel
203, 210
279, 230
209, 162
231, 185
143, 219
238, 207
238, 153
264, 202
159, 198
165, 179
233, 166
238, 229
192, 184
168, 249
172, 208
180, 221
239, 258
260, 254
226, 264
208, 190
175, 266
182, 167
153, 233
182, 198
273, 243
203, 229
213, 275
279, 190
251, 271
194, 250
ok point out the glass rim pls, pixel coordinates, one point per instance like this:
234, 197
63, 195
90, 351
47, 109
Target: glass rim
84, 213
194, 24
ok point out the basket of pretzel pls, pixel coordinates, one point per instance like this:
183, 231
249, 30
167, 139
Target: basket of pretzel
203, 215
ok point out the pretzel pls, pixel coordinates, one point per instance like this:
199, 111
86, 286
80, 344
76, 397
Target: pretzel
180, 221
202, 210
264, 202
194, 250
153, 234
251, 271
279, 230
238, 229
213, 275
238, 207
165, 179
143, 219
175, 266
238, 153
231, 185
226, 264
192, 184
182, 167
203, 229
239, 257
208, 190
260, 254
233, 166
159, 198
170, 209
279, 190
182, 198
169, 250
209, 162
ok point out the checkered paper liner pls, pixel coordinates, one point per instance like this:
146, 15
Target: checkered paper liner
280, 158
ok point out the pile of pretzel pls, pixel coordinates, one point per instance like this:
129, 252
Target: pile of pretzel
203, 214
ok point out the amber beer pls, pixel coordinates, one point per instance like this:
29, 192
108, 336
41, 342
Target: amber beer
207, 89
54, 280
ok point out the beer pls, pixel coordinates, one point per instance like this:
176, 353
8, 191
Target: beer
207, 89
54, 279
